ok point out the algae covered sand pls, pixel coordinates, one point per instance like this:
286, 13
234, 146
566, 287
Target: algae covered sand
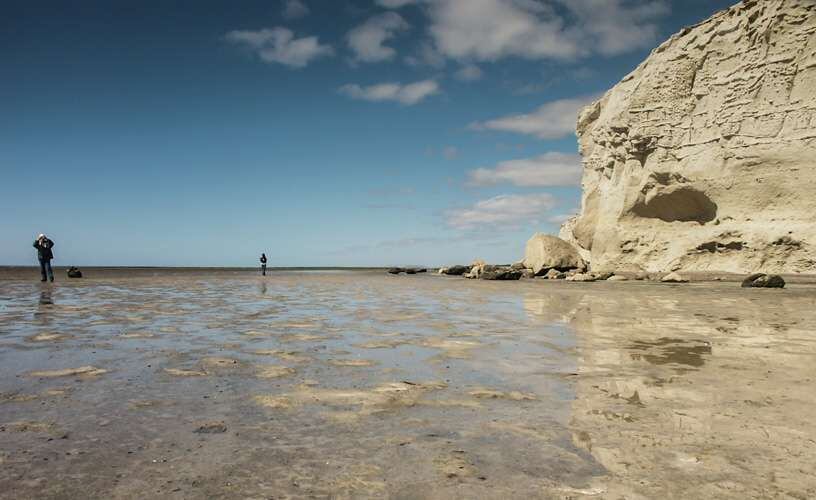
362, 385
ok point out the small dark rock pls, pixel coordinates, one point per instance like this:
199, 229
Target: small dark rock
762, 280
500, 274
396, 270
74, 272
456, 270
211, 428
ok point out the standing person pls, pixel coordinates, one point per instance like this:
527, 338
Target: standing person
44, 255
263, 264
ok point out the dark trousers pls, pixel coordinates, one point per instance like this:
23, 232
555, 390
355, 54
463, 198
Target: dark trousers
263, 269
45, 266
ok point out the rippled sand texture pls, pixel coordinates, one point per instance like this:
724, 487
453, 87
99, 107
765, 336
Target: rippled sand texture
362, 385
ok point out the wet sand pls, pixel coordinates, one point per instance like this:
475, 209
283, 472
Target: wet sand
364, 385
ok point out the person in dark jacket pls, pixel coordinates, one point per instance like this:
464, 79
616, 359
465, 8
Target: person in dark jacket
44, 255
263, 264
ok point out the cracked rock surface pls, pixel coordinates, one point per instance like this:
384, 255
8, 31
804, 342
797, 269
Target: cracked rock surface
703, 158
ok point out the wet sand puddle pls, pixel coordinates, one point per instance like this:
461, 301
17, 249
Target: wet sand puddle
359, 385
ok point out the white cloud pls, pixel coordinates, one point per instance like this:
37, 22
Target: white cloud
367, 39
618, 26
503, 210
450, 152
488, 30
295, 9
408, 95
469, 73
426, 55
562, 218
279, 45
396, 4
550, 169
551, 121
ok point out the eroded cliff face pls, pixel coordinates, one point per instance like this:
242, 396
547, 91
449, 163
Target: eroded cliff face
704, 157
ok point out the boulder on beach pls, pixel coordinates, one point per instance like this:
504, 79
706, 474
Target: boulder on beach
407, 270
762, 280
583, 277
74, 272
455, 270
500, 273
554, 274
673, 278
545, 251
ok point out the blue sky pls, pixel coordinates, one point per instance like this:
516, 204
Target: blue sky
366, 132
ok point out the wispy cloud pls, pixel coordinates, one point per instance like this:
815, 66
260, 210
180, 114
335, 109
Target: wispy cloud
469, 73
450, 152
553, 120
396, 4
294, 9
279, 45
489, 30
562, 218
367, 40
619, 26
426, 55
549, 169
484, 239
504, 210
407, 95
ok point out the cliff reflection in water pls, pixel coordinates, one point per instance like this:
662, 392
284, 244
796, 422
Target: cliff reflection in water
703, 391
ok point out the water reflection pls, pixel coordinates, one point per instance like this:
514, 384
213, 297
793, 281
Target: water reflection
705, 381
671, 351
46, 297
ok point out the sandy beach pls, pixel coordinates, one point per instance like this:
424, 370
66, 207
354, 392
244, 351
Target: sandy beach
194, 384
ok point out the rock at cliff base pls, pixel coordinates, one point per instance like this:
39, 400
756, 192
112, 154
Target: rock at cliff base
673, 278
477, 269
554, 274
582, 277
762, 280
544, 252
701, 159
455, 270
617, 277
495, 273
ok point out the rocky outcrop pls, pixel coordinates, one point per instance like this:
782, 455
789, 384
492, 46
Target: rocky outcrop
455, 270
407, 270
544, 252
673, 278
702, 158
762, 280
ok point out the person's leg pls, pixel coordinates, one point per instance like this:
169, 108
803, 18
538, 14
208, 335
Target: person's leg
263, 269
42, 270
50, 271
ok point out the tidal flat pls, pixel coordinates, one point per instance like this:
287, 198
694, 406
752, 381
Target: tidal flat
204, 384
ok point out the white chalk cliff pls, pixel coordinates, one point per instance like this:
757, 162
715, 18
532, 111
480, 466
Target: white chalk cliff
704, 157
